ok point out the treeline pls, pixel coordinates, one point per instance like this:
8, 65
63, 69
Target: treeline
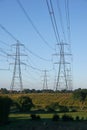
26, 91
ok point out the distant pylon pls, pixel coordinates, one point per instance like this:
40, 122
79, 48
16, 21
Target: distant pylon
63, 78
16, 83
45, 85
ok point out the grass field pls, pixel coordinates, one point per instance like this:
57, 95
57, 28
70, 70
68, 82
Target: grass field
41, 100
50, 115
24, 122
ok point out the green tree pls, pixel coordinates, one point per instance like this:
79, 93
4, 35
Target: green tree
4, 91
5, 104
24, 103
80, 94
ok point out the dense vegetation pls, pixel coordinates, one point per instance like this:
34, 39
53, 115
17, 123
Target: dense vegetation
5, 103
36, 105
51, 101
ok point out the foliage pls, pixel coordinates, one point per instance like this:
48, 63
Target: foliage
35, 117
24, 103
52, 107
80, 94
67, 118
5, 103
55, 118
56, 107
77, 118
4, 91
63, 109
44, 100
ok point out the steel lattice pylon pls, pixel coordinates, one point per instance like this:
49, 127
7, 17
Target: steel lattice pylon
64, 70
16, 83
45, 85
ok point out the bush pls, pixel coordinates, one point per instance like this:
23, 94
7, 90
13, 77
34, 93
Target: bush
53, 107
72, 109
35, 117
49, 109
24, 103
80, 94
67, 118
55, 118
77, 118
63, 109
5, 103
56, 107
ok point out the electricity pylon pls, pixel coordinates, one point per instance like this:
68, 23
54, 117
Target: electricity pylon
45, 85
16, 83
63, 78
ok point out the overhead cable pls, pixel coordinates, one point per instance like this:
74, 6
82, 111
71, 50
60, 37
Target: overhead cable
4, 43
3, 28
61, 20
68, 19
34, 68
33, 25
53, 20
34, 54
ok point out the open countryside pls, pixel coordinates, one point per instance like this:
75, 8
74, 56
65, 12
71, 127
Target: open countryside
43, 65
48, 110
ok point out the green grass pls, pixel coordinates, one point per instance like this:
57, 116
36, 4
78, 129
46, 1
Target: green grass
49, 116
23, 122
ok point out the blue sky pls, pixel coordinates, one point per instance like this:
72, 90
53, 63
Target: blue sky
15, 21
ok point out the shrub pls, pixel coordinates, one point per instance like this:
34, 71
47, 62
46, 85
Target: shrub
52, 107
80, 94
49, 109
56, 107
35, 117
72, 109
24, 103
67, 118
77, 118
55, 118
5, 103
63, 109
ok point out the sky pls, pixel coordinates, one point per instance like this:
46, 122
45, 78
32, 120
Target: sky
39, 54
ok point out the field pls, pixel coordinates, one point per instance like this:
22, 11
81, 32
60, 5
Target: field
41, 100
23, 121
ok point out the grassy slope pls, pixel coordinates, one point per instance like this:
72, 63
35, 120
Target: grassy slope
43, 99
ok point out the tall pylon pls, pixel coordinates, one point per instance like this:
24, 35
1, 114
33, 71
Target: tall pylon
16, 83
45, 85
64, 65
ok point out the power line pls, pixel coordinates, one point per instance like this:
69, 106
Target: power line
53, 20
34, 68
68, 20
4, 43
33, 25
61, 20
3, 28
3, 51
13, 37
34, 54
